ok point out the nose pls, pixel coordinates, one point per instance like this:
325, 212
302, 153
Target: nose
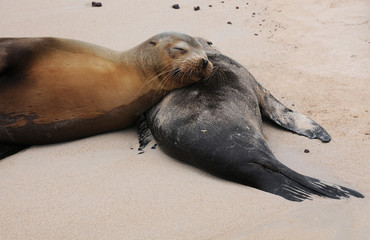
204, 63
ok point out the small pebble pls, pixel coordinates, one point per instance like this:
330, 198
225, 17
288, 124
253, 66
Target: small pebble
140, 152
96, 4
197, 8
306, 151
255, 34
154, 146
209, 5
176, 6
229, 23
237, 7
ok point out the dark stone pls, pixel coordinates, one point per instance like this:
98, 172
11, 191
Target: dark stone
154, 146
96, 4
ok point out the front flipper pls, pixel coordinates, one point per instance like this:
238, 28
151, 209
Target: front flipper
291, 120
144, 133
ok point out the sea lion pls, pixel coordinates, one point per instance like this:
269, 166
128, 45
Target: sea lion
216, 125
54, 90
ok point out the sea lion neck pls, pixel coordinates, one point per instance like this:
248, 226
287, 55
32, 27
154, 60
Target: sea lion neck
137, 60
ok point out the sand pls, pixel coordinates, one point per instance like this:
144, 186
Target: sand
312, 55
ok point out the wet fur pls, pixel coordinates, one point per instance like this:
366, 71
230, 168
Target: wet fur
216, 125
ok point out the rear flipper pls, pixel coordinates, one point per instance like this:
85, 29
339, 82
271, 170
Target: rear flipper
289, 184
10, 149
291, 120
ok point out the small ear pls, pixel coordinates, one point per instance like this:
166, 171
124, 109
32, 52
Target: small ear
153, 43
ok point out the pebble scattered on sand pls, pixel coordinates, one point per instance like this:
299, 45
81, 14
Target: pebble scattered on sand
254, 14
96, 4
306, 151
155, 146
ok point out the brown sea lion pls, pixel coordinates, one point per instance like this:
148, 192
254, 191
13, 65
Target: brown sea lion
54, 90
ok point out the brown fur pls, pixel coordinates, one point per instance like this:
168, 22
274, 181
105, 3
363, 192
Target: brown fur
53, 90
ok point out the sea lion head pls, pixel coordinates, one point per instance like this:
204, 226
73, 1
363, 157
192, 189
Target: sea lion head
206, 45
176, 59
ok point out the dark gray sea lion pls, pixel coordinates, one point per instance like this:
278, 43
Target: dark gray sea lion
54, 90
216, 125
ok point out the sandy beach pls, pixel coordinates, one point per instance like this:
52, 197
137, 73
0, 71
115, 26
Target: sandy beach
314, 56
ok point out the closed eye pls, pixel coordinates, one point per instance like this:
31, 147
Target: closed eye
176, 51
179, 48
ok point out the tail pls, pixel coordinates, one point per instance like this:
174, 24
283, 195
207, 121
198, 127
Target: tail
291, 185
10, 149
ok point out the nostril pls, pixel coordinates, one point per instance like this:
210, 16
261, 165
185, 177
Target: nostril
204, 63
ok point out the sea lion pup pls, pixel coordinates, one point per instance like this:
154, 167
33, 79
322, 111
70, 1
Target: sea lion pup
216, 125
54, 90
